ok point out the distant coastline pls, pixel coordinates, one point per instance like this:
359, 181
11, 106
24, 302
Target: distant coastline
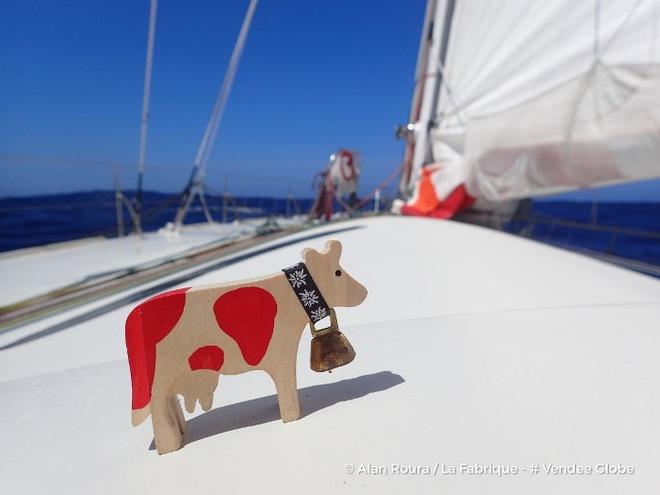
29, 221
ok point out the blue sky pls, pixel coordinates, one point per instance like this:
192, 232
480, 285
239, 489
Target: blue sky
315, 76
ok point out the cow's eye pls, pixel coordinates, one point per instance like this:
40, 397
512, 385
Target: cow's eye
338, 273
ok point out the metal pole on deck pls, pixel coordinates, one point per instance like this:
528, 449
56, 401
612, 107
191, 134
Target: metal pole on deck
118, 203
289, 201
224, 201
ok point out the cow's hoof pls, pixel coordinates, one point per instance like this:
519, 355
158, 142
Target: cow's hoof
169, 445
290, 417
168, 448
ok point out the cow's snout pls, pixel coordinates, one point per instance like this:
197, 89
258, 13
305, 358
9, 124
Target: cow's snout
357, 295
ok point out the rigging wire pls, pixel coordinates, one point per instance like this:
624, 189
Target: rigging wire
212, 128
146, 96
195, 181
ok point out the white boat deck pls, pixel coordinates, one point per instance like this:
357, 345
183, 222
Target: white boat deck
473, 347
34, 271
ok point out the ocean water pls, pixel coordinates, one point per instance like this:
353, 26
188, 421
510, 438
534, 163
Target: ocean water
36, 220
628, 230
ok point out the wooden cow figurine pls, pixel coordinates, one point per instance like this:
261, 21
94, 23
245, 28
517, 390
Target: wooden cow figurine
179, 342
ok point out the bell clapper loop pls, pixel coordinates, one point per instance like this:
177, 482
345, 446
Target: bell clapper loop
334, 327
330, 347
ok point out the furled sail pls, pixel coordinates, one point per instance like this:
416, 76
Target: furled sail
536, 97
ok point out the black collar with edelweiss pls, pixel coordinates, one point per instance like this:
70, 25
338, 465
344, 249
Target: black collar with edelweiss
330, 347
307, 292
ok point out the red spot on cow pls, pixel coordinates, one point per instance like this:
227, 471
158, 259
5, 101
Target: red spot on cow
209, 357
148, 324
247, 315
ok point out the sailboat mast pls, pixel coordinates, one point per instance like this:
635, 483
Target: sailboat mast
420, 80
430, 71
145, 113
444, 47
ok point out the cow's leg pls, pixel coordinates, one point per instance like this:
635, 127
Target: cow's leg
177, 412
167, 431
284, 377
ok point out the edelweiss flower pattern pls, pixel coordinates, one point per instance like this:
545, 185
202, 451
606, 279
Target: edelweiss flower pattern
297, 278
318, 314
307, 292
309, 298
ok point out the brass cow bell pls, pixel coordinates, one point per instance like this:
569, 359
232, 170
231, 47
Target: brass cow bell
330, 348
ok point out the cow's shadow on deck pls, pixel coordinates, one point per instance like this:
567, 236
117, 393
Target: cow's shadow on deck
265, 409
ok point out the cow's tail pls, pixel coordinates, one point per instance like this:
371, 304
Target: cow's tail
138, 416
138, 360
148, 324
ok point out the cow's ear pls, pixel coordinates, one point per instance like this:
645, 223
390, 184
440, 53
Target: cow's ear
333, 248
309, 255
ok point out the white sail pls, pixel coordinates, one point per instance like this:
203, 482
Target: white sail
539, 97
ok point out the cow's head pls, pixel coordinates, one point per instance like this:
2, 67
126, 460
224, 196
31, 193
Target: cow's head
336, 285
